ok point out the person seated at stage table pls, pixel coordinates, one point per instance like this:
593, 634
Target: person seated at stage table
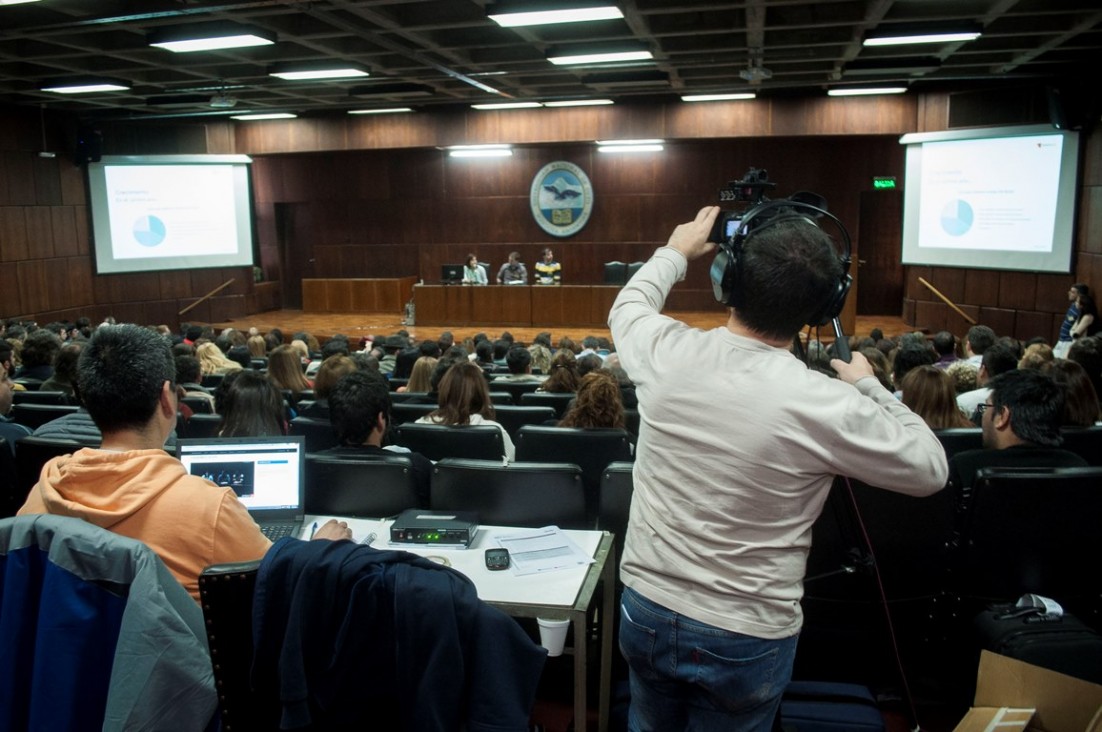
548, 271
473, 274
513, 272
465, 400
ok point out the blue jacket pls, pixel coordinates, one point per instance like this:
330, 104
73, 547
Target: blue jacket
95, 631
354, 637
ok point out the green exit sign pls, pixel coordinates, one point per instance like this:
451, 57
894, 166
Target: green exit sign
883, 183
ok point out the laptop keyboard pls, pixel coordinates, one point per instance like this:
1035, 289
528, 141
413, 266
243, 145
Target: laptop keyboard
275, 532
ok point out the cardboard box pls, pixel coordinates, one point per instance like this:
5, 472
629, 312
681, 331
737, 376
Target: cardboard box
1012, 696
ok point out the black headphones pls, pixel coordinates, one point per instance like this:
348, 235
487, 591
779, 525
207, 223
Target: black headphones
726, 271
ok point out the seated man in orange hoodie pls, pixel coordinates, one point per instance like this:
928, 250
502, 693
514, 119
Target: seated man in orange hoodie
130, 485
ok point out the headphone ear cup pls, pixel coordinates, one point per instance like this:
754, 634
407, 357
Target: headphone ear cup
834, 304
719, 275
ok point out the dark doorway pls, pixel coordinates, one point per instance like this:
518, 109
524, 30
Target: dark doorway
296, 254
881, 245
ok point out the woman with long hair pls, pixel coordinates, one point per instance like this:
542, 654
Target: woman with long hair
212, 361
251, 406
564, 373
420, 376
598, 403
465, 400
931, 394
285, 370
1081, 408
257, 347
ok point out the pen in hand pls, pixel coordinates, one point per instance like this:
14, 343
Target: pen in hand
314, 530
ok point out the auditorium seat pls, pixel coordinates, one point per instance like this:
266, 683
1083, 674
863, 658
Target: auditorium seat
1085, 442
614, 502
359, 486
513, 494
35, 415
41, 397
516, 388
633, 268
198, 405
403, 412
513, 418
960, 439
436, 442
199, 425
319, 433
31, 453
557, 401
616, 273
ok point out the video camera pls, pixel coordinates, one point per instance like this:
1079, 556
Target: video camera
750, 191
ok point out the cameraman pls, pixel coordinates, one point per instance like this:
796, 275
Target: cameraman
738, 448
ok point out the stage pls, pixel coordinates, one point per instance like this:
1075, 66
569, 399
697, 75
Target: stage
358, 325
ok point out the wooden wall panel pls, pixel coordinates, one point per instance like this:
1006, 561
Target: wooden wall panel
17, 170
64, 226
1017, 290
47, 180
13, 234
40, 232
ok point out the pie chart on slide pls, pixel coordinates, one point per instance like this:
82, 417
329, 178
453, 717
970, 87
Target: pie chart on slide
149, 231
957, 217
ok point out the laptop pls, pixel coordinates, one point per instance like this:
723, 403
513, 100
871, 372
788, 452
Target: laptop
266, 473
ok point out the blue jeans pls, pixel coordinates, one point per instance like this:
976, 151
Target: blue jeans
687, 675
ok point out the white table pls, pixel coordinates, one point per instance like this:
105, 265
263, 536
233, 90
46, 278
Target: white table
560, 595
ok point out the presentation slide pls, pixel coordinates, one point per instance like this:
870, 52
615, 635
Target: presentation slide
995, 198
171, 212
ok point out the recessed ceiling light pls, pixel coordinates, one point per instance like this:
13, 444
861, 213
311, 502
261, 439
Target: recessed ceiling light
264, 115
517, 18
898, 34
717, 97
630, 142
629, 148
480, 153
600, 57
506, 105
866, 91
391, 110
579, 103
484, 146
209, 37
346, 72
83, 87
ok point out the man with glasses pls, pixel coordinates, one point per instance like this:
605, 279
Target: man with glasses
1021, 420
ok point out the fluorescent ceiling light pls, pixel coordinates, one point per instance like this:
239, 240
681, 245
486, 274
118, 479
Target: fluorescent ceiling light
391, 110
16, 2
866, 91
486, 146
902, 40
484, 153
579, 103
209, 37
84, 88
507, 105
717, 97
598, 58
245, 40
612, 143
548, 17
314, 74
265, 115
629, 148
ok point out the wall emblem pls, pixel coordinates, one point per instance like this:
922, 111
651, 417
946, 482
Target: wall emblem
561, 198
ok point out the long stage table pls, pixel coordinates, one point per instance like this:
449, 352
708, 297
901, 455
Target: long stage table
514, 305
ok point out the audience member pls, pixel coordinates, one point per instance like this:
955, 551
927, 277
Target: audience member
132, 486
359, 410
598, 403
464, 399
285, 371
391, 346
9, 430
564, 373
188, 377
1087, 352
997, 359
1021, 428
332, 370
65, 370
1035, 356
39, 350
540, 351
740, 437
519, 362
251, 406
420, 378
1081, 408
213, 362
978, 339
587, 363
256, 346
910, 355
945, 346
880, 367
930, 394
963, 375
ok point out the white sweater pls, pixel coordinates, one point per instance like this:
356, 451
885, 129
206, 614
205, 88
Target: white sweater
738, 446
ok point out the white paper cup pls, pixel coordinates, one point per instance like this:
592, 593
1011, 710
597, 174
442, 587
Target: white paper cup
553, 635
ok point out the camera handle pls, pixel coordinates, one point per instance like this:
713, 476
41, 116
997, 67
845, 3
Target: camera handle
841, 343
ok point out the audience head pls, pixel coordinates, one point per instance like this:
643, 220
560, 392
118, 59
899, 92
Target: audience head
876, 334
929, 392
945, 343
484, 351
420, 376
541, 357
909, 356
963, 375
40, 348
564, 373
789, 271
359, 408
997, 359
332, 370
429, 348
187, 370
1035, 356
519, 360
463, 393
587, 363
566, 344
301, 349
256, 346
449, 359
978, 339
1026, 406
446, 340
598, 403
65, 365
501, 347
213, 361
1087, 352
285, 369
193, 332
1081, 408
251, 406
241, 356
880, 367
127, 376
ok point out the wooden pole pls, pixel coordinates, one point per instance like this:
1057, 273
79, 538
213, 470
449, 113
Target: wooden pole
209, 295
946, 300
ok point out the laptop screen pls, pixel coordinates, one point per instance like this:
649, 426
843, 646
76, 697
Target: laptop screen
266, 473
